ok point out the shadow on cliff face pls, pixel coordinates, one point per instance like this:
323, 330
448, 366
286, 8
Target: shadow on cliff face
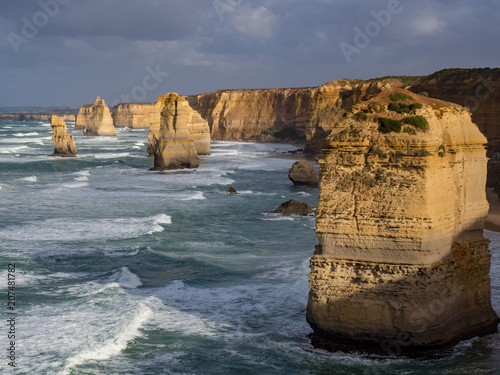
396, 309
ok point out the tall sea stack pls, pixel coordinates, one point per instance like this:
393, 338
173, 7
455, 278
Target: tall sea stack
64, 144
402, 266
198, 128
96, 119
173, 147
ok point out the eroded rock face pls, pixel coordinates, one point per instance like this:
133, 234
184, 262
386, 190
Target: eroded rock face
173, 147
198, 128
64, 144
132, 115
96, 119
82, 119
402, 266
302, 173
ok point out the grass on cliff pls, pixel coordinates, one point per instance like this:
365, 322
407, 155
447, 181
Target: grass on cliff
404, 108
419, 122
387, 125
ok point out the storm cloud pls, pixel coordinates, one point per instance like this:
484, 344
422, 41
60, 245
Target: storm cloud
65, 52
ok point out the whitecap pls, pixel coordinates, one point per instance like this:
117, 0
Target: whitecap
114, 345
65, 229
25, 134
29, 179
197, 196
278, 218
129, 279
77, 184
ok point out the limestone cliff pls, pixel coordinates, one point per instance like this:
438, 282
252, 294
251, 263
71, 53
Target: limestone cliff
64, 144
402, 264
294, 114
198, 128
132, 115
97, 119
479, 90
173, 147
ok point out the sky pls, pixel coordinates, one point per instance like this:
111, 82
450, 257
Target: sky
66, 52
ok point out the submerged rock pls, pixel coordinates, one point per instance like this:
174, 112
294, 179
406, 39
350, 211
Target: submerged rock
64, 144
302, 173
173, 147
292, 207
402, 264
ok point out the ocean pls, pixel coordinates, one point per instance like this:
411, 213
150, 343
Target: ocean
119, 270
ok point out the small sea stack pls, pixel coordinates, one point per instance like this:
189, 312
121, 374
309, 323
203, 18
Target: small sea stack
232, 190
173, 147
302, 173
64, 144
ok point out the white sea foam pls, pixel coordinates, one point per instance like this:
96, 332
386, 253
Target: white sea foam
128, 279
25, 134
65, 229
77, 184
197, 196
29, 179
278, 218
114, 345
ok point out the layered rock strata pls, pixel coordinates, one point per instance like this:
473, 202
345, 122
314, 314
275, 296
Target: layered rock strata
97, 119
64, 144
198, 128
132, 115
402, 264
173, 147
83, 116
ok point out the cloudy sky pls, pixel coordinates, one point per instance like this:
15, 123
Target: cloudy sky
65, 52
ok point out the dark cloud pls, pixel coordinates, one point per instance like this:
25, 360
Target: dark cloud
106, 47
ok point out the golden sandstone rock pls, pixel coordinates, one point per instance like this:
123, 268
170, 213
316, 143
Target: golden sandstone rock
402, 266
64, 144
132, 115
95, 119
173, 147
197, 127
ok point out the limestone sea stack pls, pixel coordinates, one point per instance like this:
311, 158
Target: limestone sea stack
198, 128
97, 119
402, 266
64, 144
82, 119
302, 173
173, 147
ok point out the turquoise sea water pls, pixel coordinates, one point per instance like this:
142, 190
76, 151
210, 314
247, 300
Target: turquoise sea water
125, 271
